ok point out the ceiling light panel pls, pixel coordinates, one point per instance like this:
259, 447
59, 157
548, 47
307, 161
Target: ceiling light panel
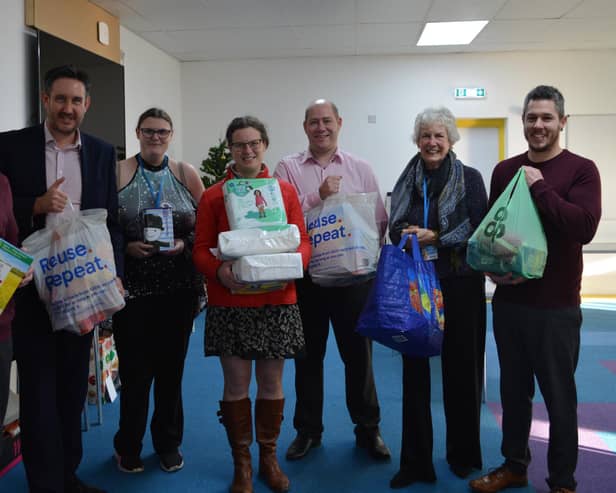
450, 33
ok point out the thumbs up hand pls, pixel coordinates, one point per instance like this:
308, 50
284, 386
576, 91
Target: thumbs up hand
53, 200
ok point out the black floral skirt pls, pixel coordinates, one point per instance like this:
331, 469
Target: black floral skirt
264, 332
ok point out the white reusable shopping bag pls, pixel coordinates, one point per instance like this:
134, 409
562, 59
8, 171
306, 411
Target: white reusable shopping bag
74, 271
344, 238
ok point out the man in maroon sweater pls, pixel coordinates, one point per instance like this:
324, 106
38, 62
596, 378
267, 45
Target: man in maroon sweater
537, 322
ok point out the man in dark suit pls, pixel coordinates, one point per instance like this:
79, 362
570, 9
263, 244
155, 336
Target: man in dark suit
49, 165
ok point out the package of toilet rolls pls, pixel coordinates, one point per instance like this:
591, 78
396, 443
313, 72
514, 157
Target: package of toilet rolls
265, 268
254, 203
257, 241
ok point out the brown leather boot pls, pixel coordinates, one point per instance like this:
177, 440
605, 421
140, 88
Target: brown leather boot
268, 417
237, 419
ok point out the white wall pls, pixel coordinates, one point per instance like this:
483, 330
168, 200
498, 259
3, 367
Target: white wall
394, 89
151, 78
13, 64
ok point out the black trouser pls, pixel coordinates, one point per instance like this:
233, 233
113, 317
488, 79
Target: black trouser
53, 381
151, 336
341, 305
545, 344
462, 361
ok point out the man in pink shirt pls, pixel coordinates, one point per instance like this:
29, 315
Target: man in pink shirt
317, 173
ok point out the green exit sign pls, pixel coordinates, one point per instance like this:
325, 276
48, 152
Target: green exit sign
469, 92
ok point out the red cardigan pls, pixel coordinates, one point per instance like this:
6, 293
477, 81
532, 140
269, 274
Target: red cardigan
8, 231
212, 219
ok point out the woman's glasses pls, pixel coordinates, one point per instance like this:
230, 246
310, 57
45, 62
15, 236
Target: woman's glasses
253, 144
163, 133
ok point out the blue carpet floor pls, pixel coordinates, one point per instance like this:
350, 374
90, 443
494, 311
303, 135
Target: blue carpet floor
338, 466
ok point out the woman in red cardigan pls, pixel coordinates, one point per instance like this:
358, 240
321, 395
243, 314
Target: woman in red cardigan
8, 232
242, 328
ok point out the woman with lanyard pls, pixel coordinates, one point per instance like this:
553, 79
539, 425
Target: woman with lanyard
443, 201
163, 291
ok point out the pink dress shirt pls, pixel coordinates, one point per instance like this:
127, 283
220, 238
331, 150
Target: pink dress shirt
305, 173
65, 162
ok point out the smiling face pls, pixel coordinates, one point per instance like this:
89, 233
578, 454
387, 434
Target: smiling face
152, 234
154, 147
542, 126
322, 127
434, 145
65, 105
247, 150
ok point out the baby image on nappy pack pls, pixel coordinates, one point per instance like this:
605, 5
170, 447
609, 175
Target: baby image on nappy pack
254, 203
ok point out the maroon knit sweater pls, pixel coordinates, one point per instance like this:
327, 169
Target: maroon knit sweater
8, 231
569, 203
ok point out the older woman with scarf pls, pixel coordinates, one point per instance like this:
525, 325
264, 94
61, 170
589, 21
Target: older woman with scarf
442, 201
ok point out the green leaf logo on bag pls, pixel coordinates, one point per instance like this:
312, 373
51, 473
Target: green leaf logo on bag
496, 229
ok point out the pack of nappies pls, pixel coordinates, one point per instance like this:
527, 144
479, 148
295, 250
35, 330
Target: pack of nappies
264, 268
261, 287
254, 203
256, 241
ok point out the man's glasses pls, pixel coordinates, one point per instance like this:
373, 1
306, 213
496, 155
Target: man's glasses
253, 144
163, 133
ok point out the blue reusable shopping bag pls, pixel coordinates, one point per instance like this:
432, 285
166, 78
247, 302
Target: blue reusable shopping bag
404, 310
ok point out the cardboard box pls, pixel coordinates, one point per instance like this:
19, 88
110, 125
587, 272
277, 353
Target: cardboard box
109, 368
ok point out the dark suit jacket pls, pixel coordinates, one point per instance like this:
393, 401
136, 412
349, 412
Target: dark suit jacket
22, 160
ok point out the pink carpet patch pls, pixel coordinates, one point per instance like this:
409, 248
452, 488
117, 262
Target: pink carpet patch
609, 364
596, 421
597, 435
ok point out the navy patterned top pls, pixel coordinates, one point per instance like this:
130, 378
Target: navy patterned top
158, 274
451, 260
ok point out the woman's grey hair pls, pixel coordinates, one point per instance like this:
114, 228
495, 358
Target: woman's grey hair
437, 115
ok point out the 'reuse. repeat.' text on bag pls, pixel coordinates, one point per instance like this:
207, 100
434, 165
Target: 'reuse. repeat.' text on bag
345, 239
74, 271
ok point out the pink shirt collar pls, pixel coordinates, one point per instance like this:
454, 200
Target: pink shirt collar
309, 157
49, 138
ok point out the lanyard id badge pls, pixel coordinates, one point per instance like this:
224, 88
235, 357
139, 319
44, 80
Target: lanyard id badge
428, 252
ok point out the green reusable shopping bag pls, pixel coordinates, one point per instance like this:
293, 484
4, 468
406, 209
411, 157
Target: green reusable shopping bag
510, 238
